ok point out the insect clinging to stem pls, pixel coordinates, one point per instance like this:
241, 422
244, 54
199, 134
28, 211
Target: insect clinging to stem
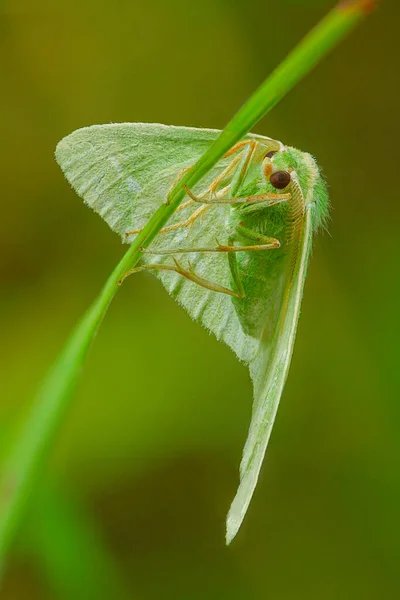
243, 237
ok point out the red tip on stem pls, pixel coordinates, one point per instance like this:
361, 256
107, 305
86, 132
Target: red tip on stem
365, 6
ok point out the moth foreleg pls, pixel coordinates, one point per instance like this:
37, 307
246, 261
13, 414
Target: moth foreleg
244, 157
240, 146
236, 170
229, 170
270, 199
238, 167
257, 202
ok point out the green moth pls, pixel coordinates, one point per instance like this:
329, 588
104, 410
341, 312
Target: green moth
235, 252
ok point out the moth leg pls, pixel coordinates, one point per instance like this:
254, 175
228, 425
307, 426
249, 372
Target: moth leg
270, 199
184, 205
248, 147
266, 243
239, 178
254, 236
234, 267
239, 146
244, 157
227, 171
260, 201
190, 274
187, 223
222, 175
176, 180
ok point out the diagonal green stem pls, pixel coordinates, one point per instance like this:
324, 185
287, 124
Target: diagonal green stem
23, 464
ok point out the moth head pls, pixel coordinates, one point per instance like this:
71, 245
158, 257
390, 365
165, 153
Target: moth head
276, 171
286, 169
307, 178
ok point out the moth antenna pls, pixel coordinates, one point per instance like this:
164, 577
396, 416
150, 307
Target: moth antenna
293, 240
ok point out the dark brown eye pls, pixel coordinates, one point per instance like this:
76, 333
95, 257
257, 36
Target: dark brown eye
270, 154
280, 179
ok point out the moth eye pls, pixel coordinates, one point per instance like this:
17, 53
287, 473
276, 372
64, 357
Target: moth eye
270, 154
280, 179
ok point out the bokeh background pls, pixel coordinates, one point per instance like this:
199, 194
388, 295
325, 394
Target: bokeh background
146, 464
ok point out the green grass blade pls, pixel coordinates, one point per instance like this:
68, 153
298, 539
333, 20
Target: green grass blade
23, 464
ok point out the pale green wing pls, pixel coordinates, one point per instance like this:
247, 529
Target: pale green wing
124, 172
269, 370
112, 166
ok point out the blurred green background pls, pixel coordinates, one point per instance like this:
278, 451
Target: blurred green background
148, 457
